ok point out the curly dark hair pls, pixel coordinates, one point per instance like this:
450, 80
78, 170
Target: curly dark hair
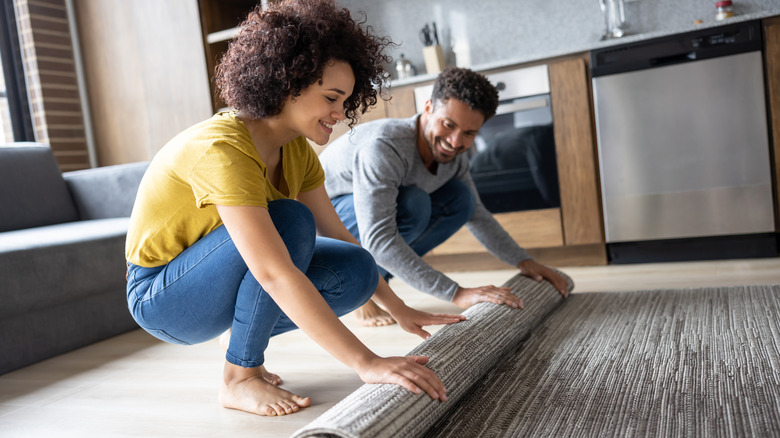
281, 51
468, 87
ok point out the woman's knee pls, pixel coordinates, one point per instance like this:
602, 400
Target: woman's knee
292, 214
295, 224
345, 274
369, 276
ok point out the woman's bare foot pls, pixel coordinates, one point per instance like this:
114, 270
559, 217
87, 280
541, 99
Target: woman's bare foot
273, 379
371, 315
224, 339
246, 389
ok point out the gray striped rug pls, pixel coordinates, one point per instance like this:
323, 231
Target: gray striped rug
699, 362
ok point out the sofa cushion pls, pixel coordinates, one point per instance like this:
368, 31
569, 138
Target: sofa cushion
105, 192
51, 265
37, 335
32, 191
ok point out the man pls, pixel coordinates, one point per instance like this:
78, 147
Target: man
402, 187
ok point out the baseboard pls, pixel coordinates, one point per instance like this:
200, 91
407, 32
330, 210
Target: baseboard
694, 249
580, 255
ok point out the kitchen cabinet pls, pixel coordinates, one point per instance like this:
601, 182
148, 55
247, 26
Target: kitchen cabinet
772, 65
401, 103
145, 75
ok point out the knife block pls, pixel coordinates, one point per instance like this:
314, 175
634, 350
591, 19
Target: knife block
434, 59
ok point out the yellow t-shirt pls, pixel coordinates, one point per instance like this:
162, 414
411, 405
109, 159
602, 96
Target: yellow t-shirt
213, 162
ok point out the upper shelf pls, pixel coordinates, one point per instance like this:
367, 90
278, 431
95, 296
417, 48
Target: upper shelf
222, 35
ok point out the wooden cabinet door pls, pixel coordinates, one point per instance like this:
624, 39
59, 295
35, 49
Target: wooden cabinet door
575, 152
145, 74
772, 75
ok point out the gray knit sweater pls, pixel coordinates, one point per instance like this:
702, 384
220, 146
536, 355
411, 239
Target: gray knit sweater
372, 162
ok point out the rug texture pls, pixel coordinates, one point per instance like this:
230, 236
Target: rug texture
695, 362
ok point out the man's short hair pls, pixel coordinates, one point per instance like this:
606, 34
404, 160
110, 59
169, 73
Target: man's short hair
468, 87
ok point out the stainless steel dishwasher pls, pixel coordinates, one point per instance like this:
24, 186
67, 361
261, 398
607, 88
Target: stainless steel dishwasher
683, 146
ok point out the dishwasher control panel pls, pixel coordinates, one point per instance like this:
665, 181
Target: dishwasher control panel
687, 47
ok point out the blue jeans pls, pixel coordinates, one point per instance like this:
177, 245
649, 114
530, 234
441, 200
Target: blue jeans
424, 220
208, 288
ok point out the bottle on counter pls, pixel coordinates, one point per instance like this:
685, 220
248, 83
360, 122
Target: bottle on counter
723, 10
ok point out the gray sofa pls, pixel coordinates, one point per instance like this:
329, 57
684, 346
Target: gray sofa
62, 265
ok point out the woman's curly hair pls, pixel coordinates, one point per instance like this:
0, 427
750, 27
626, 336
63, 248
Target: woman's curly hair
281, 51
468, 87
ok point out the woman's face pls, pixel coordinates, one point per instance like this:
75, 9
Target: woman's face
321, 105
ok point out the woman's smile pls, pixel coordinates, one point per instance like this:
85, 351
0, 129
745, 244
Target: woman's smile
328, 126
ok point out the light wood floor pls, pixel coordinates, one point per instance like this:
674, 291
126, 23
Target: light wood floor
134, 385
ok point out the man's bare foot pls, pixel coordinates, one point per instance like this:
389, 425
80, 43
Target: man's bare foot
273, 379
246, 389
371, 315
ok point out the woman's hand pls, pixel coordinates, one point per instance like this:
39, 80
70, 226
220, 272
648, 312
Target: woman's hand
413, 320
409, 372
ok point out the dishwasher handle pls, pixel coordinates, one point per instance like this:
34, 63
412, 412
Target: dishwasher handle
673, 59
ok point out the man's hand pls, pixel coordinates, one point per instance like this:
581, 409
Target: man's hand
539, 272
413, 320
467, 297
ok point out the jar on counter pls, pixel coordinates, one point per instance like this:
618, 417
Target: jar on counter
723, 10
404, 68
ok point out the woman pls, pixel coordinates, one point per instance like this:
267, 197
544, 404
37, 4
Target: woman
223, 232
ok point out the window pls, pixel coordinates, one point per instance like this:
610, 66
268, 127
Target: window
6, 132
15, 121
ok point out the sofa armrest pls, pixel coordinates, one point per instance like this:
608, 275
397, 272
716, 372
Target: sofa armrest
105, 192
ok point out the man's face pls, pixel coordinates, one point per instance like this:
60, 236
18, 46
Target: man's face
450, 128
